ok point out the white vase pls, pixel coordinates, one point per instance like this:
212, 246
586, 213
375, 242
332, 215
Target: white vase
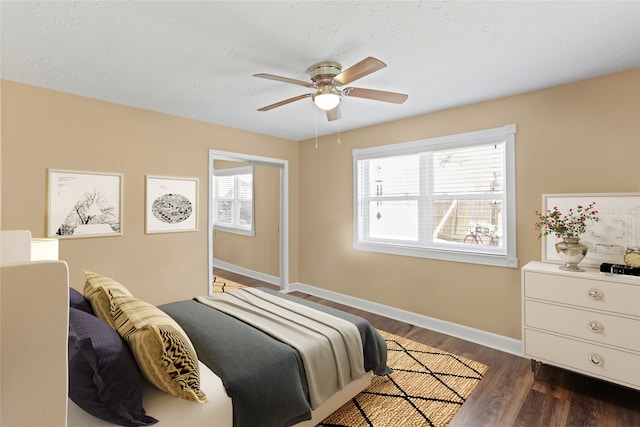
571, 251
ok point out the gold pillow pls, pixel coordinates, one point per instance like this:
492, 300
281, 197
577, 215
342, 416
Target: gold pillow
160, 346
100, 291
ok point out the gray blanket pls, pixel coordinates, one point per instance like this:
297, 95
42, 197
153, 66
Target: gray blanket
330, 347
264, 377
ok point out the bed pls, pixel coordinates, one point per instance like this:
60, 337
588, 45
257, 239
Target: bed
24, 371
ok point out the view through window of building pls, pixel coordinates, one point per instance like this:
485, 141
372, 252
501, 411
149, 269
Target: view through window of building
447, 198
233, 199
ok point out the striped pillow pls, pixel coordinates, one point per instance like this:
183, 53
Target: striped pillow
100, 291
160, 346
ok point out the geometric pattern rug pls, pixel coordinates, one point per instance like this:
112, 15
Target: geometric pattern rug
427, 387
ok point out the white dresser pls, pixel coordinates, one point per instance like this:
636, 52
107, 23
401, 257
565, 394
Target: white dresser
588, 322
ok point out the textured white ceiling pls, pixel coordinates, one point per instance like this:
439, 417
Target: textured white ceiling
196, 59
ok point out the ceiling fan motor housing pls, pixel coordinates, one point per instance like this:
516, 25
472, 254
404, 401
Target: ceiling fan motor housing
324, 72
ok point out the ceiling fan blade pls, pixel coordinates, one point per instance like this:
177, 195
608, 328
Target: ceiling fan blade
334, 114
283, 79
378, 95
285, 102
359, 70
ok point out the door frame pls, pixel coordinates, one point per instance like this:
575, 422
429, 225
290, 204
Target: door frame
283, 165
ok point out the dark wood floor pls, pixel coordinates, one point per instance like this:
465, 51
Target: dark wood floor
509, 395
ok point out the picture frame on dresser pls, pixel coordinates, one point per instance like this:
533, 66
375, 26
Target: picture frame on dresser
617, 229
84, 204
171, 204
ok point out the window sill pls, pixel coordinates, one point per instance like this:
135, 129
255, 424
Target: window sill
471, 258
234, 230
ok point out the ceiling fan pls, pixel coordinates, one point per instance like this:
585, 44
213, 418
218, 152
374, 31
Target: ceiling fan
327, 77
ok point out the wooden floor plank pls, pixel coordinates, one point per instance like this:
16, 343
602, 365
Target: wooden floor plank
542, 410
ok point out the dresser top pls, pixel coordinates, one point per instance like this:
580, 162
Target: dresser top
588, 273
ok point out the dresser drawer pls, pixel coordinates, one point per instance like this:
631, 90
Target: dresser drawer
583, 292
614, 365
589, 325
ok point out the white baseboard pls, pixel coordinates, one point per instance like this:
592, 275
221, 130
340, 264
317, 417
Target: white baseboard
274, 280
488, 339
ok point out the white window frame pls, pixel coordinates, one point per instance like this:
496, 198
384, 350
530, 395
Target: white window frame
235, 228
506, 257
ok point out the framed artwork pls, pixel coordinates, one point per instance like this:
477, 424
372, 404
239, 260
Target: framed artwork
171, 204
84, 204
608, 239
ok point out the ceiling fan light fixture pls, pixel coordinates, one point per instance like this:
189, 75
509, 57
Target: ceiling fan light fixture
327, 97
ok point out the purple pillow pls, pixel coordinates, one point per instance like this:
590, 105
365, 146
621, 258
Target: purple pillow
104, 379
77, 300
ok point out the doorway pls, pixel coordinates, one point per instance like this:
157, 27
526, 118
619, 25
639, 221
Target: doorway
283, 228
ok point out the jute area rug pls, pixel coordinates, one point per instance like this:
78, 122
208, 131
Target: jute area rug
224, 285
427, 387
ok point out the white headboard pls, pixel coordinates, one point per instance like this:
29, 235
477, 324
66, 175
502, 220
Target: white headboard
34, 312
15, 246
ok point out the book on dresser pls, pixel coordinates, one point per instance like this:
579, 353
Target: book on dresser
588, 321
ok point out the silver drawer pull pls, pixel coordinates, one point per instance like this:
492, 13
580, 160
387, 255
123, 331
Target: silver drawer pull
596, 327
596, 359
595, 294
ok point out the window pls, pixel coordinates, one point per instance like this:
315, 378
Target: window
233, 200
449, 198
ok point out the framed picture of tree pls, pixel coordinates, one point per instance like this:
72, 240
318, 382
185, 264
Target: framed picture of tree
84, 204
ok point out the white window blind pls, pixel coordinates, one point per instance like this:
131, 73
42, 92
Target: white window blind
448, 198
233, 199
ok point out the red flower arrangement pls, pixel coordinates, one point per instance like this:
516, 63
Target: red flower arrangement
570, 225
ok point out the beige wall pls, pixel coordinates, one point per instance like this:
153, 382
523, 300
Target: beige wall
260, 252
581, 137
44, 129
577, 138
